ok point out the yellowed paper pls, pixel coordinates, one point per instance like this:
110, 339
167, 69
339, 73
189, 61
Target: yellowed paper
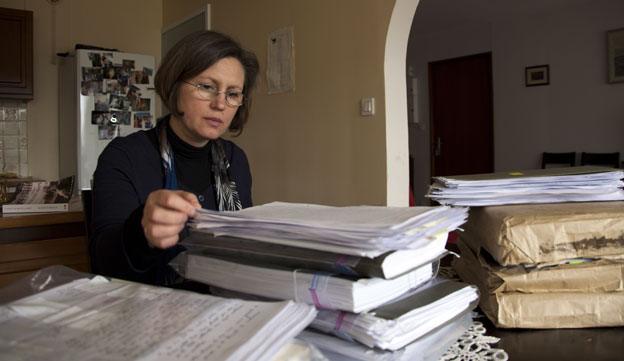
598, 276
530, 234
533, 304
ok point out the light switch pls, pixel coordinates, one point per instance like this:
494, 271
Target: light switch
367, 107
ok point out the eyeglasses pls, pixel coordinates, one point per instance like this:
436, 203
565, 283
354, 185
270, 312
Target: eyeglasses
233, 98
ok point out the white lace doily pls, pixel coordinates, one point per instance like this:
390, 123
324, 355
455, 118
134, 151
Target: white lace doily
475, 345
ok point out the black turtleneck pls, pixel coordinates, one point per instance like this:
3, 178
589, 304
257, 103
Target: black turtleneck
193, 169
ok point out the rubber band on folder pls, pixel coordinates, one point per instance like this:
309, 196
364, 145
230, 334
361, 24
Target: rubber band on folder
313, 286
341, 319
316, 289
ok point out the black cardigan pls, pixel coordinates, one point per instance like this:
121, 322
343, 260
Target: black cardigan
128, 170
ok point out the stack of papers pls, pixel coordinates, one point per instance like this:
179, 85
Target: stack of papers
427, 348
362, 230
553, 185
388, 265
394, 325
346, 261
116, 320
319, 289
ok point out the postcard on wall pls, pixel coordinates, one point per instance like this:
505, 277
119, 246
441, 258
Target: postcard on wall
615, 42
281, 61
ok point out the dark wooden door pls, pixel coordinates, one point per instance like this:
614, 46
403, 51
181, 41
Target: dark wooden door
460, 99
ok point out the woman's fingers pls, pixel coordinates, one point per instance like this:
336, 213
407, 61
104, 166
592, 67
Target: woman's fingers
162, 236
176, 200
191, 198
165, 215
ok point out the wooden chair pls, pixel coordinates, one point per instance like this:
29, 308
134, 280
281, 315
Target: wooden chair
604, 159
559, 159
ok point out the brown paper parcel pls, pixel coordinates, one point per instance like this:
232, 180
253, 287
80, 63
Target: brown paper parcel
536, 233
598, 276
542, 309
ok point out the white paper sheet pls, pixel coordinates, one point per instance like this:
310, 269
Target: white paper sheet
101, 320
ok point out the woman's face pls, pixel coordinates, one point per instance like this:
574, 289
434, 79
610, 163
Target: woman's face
205, 120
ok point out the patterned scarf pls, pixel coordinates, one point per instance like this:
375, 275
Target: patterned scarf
226, 194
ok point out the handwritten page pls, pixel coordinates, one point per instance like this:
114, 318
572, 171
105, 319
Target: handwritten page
101, 320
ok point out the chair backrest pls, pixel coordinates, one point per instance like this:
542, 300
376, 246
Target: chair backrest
87, 208
567, 159
605, 159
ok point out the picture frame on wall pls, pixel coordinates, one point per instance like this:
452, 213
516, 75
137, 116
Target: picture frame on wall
537, 75
615, 55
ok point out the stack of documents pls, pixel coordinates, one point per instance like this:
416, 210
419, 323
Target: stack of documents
553, 185
115, 320
547, 265
399, 323
388, 265
361, 231
368, 270
316, 288
427, 348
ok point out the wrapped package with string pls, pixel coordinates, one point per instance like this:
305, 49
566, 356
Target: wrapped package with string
573, 294
544, 233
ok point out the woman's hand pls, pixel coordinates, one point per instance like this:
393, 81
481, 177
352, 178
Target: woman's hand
165, 214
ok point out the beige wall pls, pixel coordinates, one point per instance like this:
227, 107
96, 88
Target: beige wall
131, 26
312, 145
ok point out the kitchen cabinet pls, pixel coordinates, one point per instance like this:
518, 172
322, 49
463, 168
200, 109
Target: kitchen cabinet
32, 241
16, 54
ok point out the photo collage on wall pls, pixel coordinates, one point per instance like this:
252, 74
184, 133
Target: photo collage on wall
117, 98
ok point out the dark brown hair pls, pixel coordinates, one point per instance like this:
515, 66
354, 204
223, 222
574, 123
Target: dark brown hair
194, 54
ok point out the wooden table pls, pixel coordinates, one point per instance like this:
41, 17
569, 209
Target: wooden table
32, 241
587, 344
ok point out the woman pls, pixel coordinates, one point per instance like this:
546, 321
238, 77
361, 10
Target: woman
148, 184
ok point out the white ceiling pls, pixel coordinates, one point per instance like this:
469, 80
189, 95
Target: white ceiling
434, 15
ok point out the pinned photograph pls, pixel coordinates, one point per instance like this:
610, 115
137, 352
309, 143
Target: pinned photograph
101, 102
148, 71
107, 131
128, 65
116, 101
107, 59
120, 118
112, 86
143, 120
89, 74
96, 59
142, 104
100, 118
108, 72
123, 81
139, 77
133, 94
90, 87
